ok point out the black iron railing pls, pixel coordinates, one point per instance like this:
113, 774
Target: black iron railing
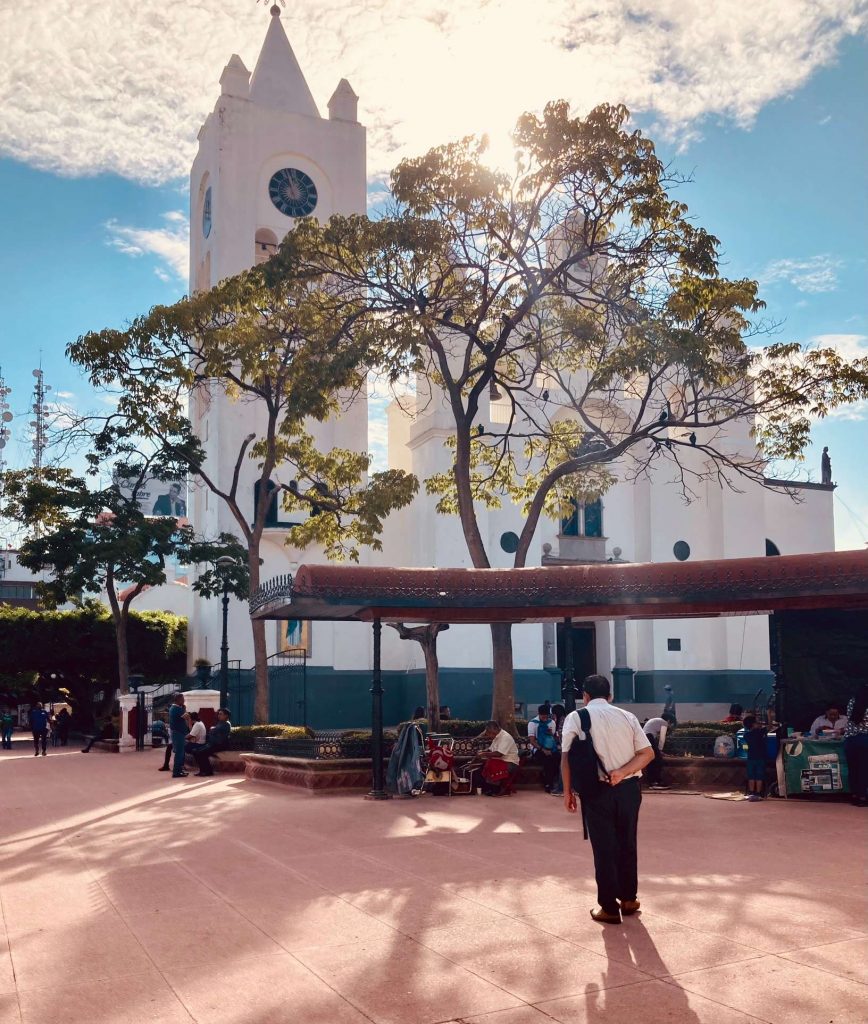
273, 591
329, 745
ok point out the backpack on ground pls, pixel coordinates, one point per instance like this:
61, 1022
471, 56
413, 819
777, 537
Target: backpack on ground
585, 766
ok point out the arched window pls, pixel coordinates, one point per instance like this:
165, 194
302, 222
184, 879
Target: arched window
585, 520
266, 245
271, 513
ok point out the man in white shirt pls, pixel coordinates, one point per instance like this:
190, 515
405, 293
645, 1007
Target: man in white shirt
611, 812
656, 729
197, 734
502, 748
833, 719
542, 739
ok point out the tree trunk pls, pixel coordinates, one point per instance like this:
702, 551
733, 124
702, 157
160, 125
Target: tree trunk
503, 689
123, 655
432, 682
261, 704
120, 621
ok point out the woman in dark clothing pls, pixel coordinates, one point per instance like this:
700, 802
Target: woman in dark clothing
856, 747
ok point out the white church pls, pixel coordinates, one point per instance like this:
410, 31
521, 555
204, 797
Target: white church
266, 156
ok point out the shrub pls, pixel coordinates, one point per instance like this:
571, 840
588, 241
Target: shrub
462, 727
357, 742
707, 728
242, 736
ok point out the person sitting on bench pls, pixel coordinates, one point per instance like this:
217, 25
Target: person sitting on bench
218, 739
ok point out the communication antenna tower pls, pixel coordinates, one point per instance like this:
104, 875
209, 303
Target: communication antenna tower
40, 390
5, 420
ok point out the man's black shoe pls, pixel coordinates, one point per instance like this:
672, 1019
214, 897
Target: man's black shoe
179, 775
165, 768
203, 775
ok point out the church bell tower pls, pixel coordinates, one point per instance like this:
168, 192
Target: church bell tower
266, 157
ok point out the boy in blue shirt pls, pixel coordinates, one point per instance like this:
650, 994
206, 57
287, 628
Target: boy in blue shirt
755, 740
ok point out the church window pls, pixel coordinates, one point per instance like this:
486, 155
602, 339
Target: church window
266, 245
673, 643
585, 520
681, 550
271, 513
509, 542
771, 548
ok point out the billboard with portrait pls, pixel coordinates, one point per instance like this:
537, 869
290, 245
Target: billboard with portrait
155, 497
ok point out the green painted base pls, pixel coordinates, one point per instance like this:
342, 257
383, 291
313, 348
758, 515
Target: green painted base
728, 686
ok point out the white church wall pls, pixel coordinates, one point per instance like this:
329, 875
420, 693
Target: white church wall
802, 524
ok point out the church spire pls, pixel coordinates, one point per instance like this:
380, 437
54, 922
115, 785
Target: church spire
277, 78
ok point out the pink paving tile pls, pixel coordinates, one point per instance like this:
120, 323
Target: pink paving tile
63, 953
518, 1015
344, 875
7, 975
651, 1002
415, 910
188, 936
519, 895
9, 1012
780, 992
401, 982
323, 921
749, 918
144, 997
271, 990
534, 966
649, 943
846, 959
427, 860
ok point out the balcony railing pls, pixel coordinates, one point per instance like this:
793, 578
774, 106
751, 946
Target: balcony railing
277, 590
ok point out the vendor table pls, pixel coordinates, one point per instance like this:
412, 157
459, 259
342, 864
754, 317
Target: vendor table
810, 766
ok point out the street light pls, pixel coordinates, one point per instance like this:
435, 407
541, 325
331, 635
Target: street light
225, 564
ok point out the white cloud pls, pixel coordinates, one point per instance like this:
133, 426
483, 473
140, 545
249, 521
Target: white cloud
170, 244
814, 274
848, 346
101, 85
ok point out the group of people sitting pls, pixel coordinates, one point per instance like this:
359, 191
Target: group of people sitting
188, 735
545, 740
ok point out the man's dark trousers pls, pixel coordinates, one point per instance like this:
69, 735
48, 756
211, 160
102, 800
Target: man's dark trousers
654, 771
40, 736
550, 764
203, 753
612, 817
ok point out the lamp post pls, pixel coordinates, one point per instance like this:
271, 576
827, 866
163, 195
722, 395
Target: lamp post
224, 564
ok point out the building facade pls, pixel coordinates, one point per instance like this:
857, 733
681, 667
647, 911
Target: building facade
267, 156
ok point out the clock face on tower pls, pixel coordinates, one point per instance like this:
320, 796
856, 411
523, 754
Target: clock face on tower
292, 192
206, 213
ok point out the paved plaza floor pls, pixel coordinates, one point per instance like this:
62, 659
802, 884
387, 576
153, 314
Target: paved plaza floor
128, 896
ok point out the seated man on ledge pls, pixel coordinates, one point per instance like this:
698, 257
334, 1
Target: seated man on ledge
832, 722
500, 761
218, 739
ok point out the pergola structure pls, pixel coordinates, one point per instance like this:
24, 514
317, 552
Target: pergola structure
740, 586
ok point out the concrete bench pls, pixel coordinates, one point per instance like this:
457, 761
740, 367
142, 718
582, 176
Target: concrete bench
226, 762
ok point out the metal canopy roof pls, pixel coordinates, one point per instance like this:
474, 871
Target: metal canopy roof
736, 586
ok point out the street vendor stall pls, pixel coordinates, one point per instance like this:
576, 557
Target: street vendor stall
807, 767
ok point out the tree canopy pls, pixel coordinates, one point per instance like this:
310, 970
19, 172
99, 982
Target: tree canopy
572, 323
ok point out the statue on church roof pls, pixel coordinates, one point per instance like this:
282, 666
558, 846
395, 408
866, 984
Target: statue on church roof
825, 467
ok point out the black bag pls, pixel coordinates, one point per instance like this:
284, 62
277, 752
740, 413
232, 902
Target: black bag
585, 766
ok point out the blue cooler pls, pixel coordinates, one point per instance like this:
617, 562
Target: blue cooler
740, 745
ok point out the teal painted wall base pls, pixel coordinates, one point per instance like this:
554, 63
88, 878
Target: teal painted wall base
338, 699
726, 686
622, 685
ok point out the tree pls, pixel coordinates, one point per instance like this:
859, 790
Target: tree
269, 341
95, 540
426, 637
573, 324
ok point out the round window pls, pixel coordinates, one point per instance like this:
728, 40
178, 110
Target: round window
509, 542
681, 550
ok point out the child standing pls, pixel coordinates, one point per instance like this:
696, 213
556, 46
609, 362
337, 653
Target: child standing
755, 739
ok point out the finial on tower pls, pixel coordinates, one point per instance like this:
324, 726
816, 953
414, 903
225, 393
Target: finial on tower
275, 10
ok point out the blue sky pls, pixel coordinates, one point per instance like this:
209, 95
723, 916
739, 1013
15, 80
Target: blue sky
93, 228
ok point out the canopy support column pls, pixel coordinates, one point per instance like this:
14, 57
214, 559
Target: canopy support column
568, 682
378, 791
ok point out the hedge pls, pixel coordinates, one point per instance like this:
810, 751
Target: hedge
242, 736
467, 726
